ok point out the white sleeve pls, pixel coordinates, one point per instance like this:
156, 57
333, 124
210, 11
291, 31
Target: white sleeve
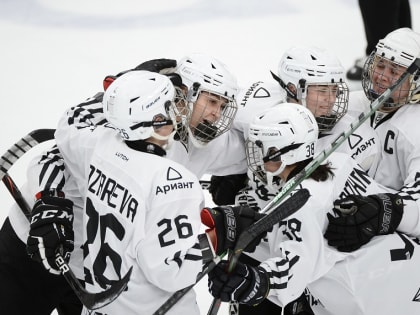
410, 192
230, 157
409, 162
76, 143
299, 253
47, 171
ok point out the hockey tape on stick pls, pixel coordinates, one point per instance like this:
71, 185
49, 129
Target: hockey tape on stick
22, 146
90, 300
290, 206
319, 159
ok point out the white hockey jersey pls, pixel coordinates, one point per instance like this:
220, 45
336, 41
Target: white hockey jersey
297, 256
141, 211
399, 165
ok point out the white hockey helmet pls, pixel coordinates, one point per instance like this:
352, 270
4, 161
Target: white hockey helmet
287, 133
400, 48
199, 73
302, 66
138, 102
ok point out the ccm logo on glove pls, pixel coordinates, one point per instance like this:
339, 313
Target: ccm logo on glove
49, 214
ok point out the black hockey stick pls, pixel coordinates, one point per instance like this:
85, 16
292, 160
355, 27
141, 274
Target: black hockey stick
319, 159
278, 213
90, 300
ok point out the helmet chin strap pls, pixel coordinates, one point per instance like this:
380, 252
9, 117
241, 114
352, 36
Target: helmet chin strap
169, 138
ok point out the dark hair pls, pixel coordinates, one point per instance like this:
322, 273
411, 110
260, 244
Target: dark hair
320, 174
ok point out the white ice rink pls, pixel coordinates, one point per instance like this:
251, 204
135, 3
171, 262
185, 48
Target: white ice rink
55, 53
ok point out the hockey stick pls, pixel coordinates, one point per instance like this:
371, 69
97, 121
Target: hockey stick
174, 298
320, 158
90, 300
281, 211
22, 146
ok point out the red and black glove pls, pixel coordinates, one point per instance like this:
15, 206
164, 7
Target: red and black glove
228, 223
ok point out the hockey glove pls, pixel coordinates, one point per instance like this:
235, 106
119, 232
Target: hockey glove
245, 284
228, 223
51, 231
362, 217
223, 189
162, 66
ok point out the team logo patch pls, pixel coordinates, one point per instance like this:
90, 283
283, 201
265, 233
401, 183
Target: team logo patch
172, 175
261, 93
354, 140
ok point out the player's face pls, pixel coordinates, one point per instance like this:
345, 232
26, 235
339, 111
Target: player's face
272, 166
207, 109
320, 99
384, 74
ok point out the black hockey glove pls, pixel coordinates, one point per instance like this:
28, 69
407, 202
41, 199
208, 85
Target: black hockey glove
162, 66
245, 284
228, 223
362, 217
300, 306
51, 231
223, 189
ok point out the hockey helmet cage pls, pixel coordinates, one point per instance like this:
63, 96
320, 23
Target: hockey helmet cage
302, 66
200, 72
398, 50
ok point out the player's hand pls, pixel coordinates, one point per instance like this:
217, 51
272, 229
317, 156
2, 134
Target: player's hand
51, 231
227, 223
223, 189
359, 218
245, 284
162, 66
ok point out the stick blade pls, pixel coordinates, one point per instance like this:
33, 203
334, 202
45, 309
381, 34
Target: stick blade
93, 301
